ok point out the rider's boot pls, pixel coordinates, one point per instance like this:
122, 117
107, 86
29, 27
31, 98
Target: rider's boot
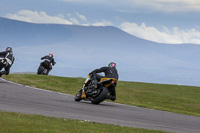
111, 97
48, 70
47, 73
3, 73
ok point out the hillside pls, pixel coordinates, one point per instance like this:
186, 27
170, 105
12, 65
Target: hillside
23, 33
80, 49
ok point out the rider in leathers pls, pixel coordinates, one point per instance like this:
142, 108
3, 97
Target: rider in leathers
48, 62
110, 72
8, 55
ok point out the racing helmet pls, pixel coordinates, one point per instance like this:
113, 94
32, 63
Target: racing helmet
9, 50
51, 54
112, 64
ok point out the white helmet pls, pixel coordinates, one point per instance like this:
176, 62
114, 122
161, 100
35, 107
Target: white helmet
51, 54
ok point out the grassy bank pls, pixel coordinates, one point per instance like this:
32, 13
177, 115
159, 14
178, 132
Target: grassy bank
22, 123
173, 98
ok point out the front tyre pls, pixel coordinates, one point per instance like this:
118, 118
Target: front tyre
101, 97
77, 97
40, 70
1, 65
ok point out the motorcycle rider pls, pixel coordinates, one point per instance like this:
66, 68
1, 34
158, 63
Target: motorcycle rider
110, 72
48, 62
8, 56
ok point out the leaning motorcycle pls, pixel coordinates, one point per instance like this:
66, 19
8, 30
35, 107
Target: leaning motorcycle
93, 93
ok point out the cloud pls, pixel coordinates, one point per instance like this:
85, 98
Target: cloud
38, 17
173, 5
82, 17
74, 21
103, 22
173, 36
153, 5
166, 5
43, 17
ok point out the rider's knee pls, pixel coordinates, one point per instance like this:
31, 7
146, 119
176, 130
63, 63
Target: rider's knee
7, 72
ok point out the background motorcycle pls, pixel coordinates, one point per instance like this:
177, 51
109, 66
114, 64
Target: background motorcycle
42, 70
95, 94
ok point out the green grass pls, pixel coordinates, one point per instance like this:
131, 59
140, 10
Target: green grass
172, 98
23, 123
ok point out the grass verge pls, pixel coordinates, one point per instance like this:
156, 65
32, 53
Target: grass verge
179, 99
23, 123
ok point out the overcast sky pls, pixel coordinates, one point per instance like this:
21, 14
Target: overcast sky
165, 21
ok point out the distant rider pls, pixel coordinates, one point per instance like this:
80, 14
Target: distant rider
110, 72
48, 62
8, 56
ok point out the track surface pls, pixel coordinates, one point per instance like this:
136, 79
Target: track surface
23, 99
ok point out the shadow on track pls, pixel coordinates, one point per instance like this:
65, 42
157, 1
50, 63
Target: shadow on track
105, 104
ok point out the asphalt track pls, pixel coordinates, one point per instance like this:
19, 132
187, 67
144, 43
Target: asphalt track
24, 99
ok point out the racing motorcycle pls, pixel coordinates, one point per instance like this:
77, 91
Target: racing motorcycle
96, 93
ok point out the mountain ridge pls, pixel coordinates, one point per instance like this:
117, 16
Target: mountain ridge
137, 59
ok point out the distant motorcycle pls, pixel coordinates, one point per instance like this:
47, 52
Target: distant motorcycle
95, 94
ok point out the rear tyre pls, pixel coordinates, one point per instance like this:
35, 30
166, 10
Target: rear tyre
101, 97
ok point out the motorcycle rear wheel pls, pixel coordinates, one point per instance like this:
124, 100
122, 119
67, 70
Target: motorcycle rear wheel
101, 97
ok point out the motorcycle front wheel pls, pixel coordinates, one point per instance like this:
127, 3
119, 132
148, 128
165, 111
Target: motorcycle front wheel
40, 70
77, 97
2, 65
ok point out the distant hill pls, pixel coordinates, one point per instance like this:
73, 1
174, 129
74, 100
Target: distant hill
22, 33
80, 49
